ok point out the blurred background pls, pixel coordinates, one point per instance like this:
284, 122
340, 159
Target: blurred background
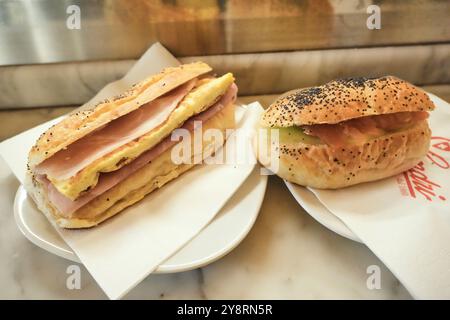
47, 68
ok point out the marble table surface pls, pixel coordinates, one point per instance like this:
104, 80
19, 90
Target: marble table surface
287, 255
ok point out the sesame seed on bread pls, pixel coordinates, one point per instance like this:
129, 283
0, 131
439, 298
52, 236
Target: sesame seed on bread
345, 99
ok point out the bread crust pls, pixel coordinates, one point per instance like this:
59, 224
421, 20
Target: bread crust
80, 123
323, 167
345, 99
152, 176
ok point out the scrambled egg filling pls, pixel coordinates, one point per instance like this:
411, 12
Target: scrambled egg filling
196, 101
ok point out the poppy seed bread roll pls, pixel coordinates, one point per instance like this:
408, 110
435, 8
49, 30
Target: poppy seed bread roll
347, 132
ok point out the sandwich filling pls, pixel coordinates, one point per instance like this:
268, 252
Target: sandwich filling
70, 162
354, 131
78, 155
76, 170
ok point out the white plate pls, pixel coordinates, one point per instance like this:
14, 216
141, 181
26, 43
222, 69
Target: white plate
221, 236
317, 210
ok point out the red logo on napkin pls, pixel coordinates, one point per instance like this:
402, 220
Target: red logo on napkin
416, 182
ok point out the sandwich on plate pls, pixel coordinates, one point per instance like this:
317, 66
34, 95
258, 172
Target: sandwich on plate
100, 160
347, 131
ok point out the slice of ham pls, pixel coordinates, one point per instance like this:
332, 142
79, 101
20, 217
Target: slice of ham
68, 162
108, 180
360, 130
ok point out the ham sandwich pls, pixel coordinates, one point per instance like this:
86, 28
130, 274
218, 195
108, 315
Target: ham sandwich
69, 180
